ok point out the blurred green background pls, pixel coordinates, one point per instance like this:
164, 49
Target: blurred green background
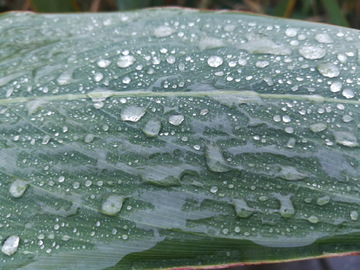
339, 12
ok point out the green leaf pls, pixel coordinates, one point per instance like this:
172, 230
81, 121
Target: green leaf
172, 138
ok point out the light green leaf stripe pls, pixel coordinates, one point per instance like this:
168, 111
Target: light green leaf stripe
171, 138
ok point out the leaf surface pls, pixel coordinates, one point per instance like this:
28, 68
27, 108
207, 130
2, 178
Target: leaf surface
176, 138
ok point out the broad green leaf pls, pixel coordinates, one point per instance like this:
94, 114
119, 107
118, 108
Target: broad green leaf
176, 138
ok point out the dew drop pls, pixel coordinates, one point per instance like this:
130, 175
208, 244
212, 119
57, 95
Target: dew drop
89, 138
210, 43
171, 59
65, 237
346, 139
18, 188
126, 80
132, 113
336, 86
152, 128
242, 62
163, 31
112, 205
323, 200
103, 63
176, 119
323, 38
214, 189
262, 64
277, 118
46, 139
65, 77
318, 127
215, 61
242, 209
348, 93
328, 70
291, 32
10, 245
354, 215
126, 61
286, 119
313, 219
98, 76
312, 52
61, 179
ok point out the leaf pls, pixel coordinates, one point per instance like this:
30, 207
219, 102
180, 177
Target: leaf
173, 138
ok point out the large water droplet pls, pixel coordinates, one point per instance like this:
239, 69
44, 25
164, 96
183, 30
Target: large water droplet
126, 61
34, 105
312, 52
103, 63
348, 93
176, 119
328, 70
215, 61
215, 160
265, 46
354, 215
262, 64
323, 200
318, 127
152, 128
291, 32
291, 174
132, 113
323, 38
65, 77
163, 31
10, 245
242, 209
336, 86
112, 205
17, 188
98, 76
313, 219
210, 43
346, 139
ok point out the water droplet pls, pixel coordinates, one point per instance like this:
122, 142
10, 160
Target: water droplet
262, 64
34, 105
242, 61
215, 61
286, 119
242, 209
171, 59
291, 173
313, 219
318, 127
215, 160
348, 93
214, 189
112, 205
336, 86
229, 28
354, 215
312, 52
61, 179
65, 77
328, 70
265, 46
126, 80
204, 112
103, 63
196, 147
46, 139
65, 237
89, 138
17, 188
210, 43
323, 38
132, 113
163, 31
176, 119
291, 32
277, 118
237, 229
346, 139
152, 128
347, 118
126, 61
76, 185
323, 200
10, 245
98, 76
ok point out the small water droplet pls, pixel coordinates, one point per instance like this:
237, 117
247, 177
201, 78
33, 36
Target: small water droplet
328, 70
126, 61
10, 245
61, 179
46, 139
171, 59
318, 127
126, 80
323, 200
215, 61
103, 63
176, 119
214, 189
132, 113
312, 52
204, 112
112, 205
348, 93
98, 76
18, 188
89, 138
65, 237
